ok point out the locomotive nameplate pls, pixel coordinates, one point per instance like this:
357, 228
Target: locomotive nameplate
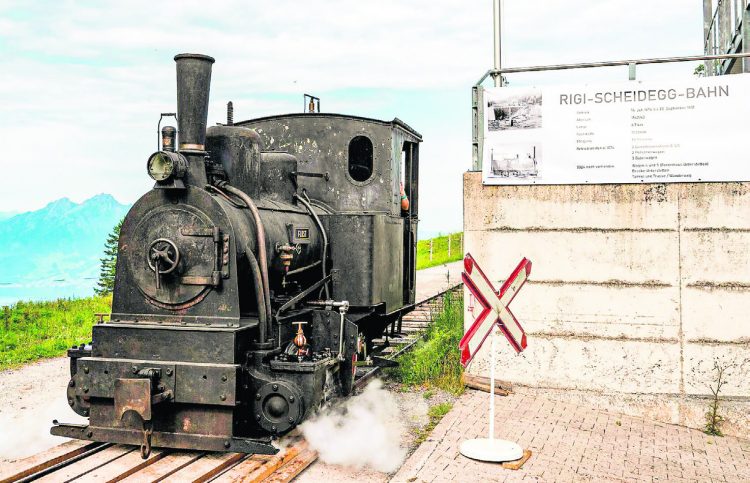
300, 234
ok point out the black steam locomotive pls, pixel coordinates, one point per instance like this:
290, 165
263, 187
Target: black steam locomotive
267, 256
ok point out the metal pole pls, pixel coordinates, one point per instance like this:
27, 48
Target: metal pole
492, 384
497, 39
708, 18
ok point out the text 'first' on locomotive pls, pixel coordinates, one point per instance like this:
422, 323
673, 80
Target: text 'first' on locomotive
266, 259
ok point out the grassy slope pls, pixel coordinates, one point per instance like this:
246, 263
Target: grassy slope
34, 330
435, 361
439, 251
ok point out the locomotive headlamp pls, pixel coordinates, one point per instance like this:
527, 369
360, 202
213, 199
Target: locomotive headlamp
163, 166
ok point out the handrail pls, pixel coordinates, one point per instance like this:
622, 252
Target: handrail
586, 65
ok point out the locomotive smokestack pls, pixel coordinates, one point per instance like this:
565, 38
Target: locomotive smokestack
193, 86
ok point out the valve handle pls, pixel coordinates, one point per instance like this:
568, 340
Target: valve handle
163, 256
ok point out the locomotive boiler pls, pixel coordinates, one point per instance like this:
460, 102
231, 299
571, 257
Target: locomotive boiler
268, 256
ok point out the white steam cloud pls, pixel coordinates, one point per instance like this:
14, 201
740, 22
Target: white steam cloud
27, 431
366, 430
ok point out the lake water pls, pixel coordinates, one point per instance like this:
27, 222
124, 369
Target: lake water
10, 294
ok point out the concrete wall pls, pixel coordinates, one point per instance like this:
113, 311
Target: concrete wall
635, 291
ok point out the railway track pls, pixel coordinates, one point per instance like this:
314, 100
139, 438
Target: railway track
83, 461
412, 329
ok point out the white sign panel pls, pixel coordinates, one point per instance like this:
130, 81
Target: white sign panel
636, 132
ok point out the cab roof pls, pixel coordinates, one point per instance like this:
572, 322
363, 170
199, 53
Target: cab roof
396, 123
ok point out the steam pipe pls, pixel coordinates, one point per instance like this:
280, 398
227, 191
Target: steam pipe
302, 269
322, 231
342, 310
261, 235
259, 298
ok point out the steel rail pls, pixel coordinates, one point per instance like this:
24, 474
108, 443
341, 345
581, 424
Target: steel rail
364, 379
64, 463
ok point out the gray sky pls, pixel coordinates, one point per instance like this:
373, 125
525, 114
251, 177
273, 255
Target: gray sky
82, 83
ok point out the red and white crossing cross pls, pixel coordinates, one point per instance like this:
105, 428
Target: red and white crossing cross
494, 308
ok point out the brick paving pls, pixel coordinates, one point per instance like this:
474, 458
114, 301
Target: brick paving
574, 443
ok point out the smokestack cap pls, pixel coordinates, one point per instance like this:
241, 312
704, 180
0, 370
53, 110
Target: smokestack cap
195, 56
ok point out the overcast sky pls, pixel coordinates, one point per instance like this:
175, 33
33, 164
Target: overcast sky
82, 83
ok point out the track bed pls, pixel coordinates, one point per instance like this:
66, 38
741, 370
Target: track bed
82, 461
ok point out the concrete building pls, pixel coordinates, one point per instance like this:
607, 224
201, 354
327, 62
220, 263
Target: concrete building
724, 32
638, 291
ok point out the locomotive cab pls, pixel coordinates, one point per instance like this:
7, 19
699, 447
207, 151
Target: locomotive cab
249, 279
354, 169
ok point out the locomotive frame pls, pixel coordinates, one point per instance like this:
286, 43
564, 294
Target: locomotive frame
267, 258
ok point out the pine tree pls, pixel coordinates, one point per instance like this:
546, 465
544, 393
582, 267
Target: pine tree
106, 283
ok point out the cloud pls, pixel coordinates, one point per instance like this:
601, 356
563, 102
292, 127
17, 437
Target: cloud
82, 84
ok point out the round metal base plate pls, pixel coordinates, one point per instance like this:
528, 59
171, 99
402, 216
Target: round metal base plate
494, 450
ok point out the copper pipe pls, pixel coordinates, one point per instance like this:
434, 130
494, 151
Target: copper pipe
259, 298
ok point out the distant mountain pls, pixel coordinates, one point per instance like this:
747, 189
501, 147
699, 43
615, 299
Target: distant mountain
56, 246
4, 215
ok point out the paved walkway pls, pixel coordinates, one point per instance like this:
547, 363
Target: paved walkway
436, 279
574, 443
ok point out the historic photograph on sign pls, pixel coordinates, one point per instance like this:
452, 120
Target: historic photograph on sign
520, 110
519, 160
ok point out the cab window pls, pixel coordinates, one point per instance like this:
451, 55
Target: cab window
360, 158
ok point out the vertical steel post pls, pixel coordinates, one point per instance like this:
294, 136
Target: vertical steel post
477, 126
492, 382
708, 45
745, 37
497, 40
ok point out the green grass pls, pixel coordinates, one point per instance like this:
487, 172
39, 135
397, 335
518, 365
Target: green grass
435, 361
439, 251
435, 413
35, 330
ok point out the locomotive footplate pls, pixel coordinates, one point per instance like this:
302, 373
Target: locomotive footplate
165, 439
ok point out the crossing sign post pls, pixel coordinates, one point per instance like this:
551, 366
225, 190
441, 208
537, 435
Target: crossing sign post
494, 308
495, 315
